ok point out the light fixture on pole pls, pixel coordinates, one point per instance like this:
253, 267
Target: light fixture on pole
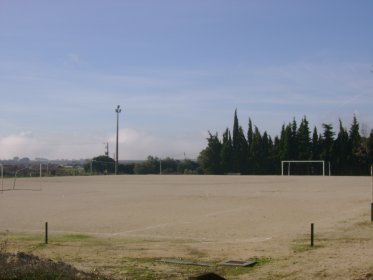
117, 110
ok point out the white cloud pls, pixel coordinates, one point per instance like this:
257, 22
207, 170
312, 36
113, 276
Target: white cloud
135, 144
26, 144
22, 145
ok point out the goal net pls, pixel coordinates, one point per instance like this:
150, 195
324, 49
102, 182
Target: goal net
15, 178
303, 167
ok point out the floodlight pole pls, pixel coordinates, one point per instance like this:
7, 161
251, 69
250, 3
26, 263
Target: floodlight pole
371, 175
117, 110
2, 177
371, 203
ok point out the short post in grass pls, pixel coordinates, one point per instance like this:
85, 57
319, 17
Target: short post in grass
312, 234
46, 232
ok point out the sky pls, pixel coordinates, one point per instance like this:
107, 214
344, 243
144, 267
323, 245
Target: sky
178, 69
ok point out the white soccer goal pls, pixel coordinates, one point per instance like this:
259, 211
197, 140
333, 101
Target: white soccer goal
14, 180
289, 162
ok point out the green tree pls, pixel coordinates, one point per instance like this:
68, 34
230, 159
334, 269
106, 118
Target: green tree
250, 136
327, 142
209, 158
266, 154
293, 148
227, 152
355, 138
315, 146
341, 151
358, 153
100, 165
150, 166
285, 143
276, 156
256, 152
169, 165
240, 148
187, 166
304, 140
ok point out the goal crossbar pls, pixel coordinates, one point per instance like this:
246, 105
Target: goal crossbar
301, 161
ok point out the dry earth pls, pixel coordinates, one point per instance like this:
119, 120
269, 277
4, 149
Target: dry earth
135, 220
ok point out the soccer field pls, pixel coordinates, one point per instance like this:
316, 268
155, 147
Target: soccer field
238, 209
228, 216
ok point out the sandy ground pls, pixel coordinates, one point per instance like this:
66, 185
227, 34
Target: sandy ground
235, 217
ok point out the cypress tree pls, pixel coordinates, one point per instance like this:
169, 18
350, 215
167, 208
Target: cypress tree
285, 143
357, 157
304, 140
293, 141
355, 138
209, 158
256, 151
240, 148
265, 153
276, 155
341, 151
227, 152
235, 143
315, 145
327, 142
250, 135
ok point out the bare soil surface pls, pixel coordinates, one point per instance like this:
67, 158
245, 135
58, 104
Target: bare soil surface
114, 223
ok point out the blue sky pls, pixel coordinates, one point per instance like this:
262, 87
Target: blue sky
178, 69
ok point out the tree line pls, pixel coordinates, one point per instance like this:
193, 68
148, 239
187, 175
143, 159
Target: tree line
256, 153
152, 165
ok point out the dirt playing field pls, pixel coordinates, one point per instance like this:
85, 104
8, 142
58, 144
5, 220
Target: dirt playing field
209, 218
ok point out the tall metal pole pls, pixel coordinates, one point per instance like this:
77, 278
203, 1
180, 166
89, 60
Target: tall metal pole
2, 177
117, 110
371, 175
371, 202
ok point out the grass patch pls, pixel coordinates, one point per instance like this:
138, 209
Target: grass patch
26, 237
138, 268
70, 238
118, 256
301, 247
41, 237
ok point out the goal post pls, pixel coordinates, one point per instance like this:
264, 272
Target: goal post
289, 162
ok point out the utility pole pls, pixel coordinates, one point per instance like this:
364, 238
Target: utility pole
117, 110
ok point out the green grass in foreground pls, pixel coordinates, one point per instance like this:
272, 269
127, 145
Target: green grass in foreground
113, 256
